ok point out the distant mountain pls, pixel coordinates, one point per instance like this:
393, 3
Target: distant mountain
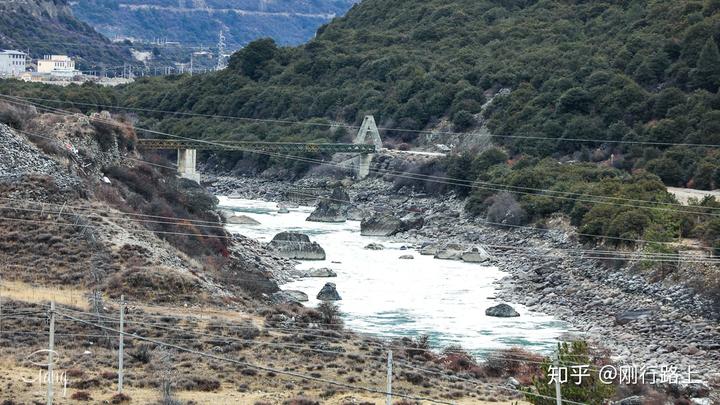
49, 27
198, 22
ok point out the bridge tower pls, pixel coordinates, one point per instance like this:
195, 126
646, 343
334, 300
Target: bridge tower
368, 133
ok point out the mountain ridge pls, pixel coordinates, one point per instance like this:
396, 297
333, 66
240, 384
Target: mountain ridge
198, 23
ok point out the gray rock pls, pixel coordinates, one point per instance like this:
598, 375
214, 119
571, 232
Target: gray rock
633, 400
696, 390
289, 296
502, 311
476, 254
332, 209
356, 214
374, 246
321, 272
450, 251
387, 225
282, 209
294, 245
632, 315
407, 257
242, 220
329, 293
429, 249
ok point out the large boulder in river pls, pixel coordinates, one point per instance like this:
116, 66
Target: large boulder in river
242, 220
289, 296
321, 272
294, 245
333, 208
329, 293
502, 311
429, 249
450, 251
388, 225
476, 254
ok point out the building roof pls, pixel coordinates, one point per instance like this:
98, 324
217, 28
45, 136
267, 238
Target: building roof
10, 52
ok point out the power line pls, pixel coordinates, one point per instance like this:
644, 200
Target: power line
281, 121
648, 257
407, 364
254, 366
596, 199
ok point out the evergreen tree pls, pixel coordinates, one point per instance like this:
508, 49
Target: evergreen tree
707, 73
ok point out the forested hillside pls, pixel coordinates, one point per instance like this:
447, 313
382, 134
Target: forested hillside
48, 27
641, 70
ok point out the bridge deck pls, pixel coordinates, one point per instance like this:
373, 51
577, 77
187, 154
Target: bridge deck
256, 146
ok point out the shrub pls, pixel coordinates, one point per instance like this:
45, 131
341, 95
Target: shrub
330, 315
456, 358
81, 396
463, 120
301, 401
143, 353
420, 346
514, 362
16, 116
504, 209
120, 398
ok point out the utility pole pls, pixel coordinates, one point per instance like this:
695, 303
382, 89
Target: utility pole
558, 395
122, 344
1, 334
389, 379
51, 350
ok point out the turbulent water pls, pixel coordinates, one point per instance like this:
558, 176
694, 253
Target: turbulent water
386, 296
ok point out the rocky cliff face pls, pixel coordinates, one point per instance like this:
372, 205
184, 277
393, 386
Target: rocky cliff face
78, 202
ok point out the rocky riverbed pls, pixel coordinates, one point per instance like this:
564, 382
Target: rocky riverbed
617, 308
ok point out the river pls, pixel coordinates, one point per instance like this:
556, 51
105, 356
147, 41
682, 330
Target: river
391, 297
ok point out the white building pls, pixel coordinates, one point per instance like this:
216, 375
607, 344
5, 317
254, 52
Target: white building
12, 63
57, 65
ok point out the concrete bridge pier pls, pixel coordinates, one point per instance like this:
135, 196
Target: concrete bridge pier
368, 133
186, 163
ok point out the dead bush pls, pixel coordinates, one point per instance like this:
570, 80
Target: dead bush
81, 396
120, 398
199, 383
330, 315
456, 358
514, 362
16, 116
419, 346
301, 401
504, 209
143, 353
